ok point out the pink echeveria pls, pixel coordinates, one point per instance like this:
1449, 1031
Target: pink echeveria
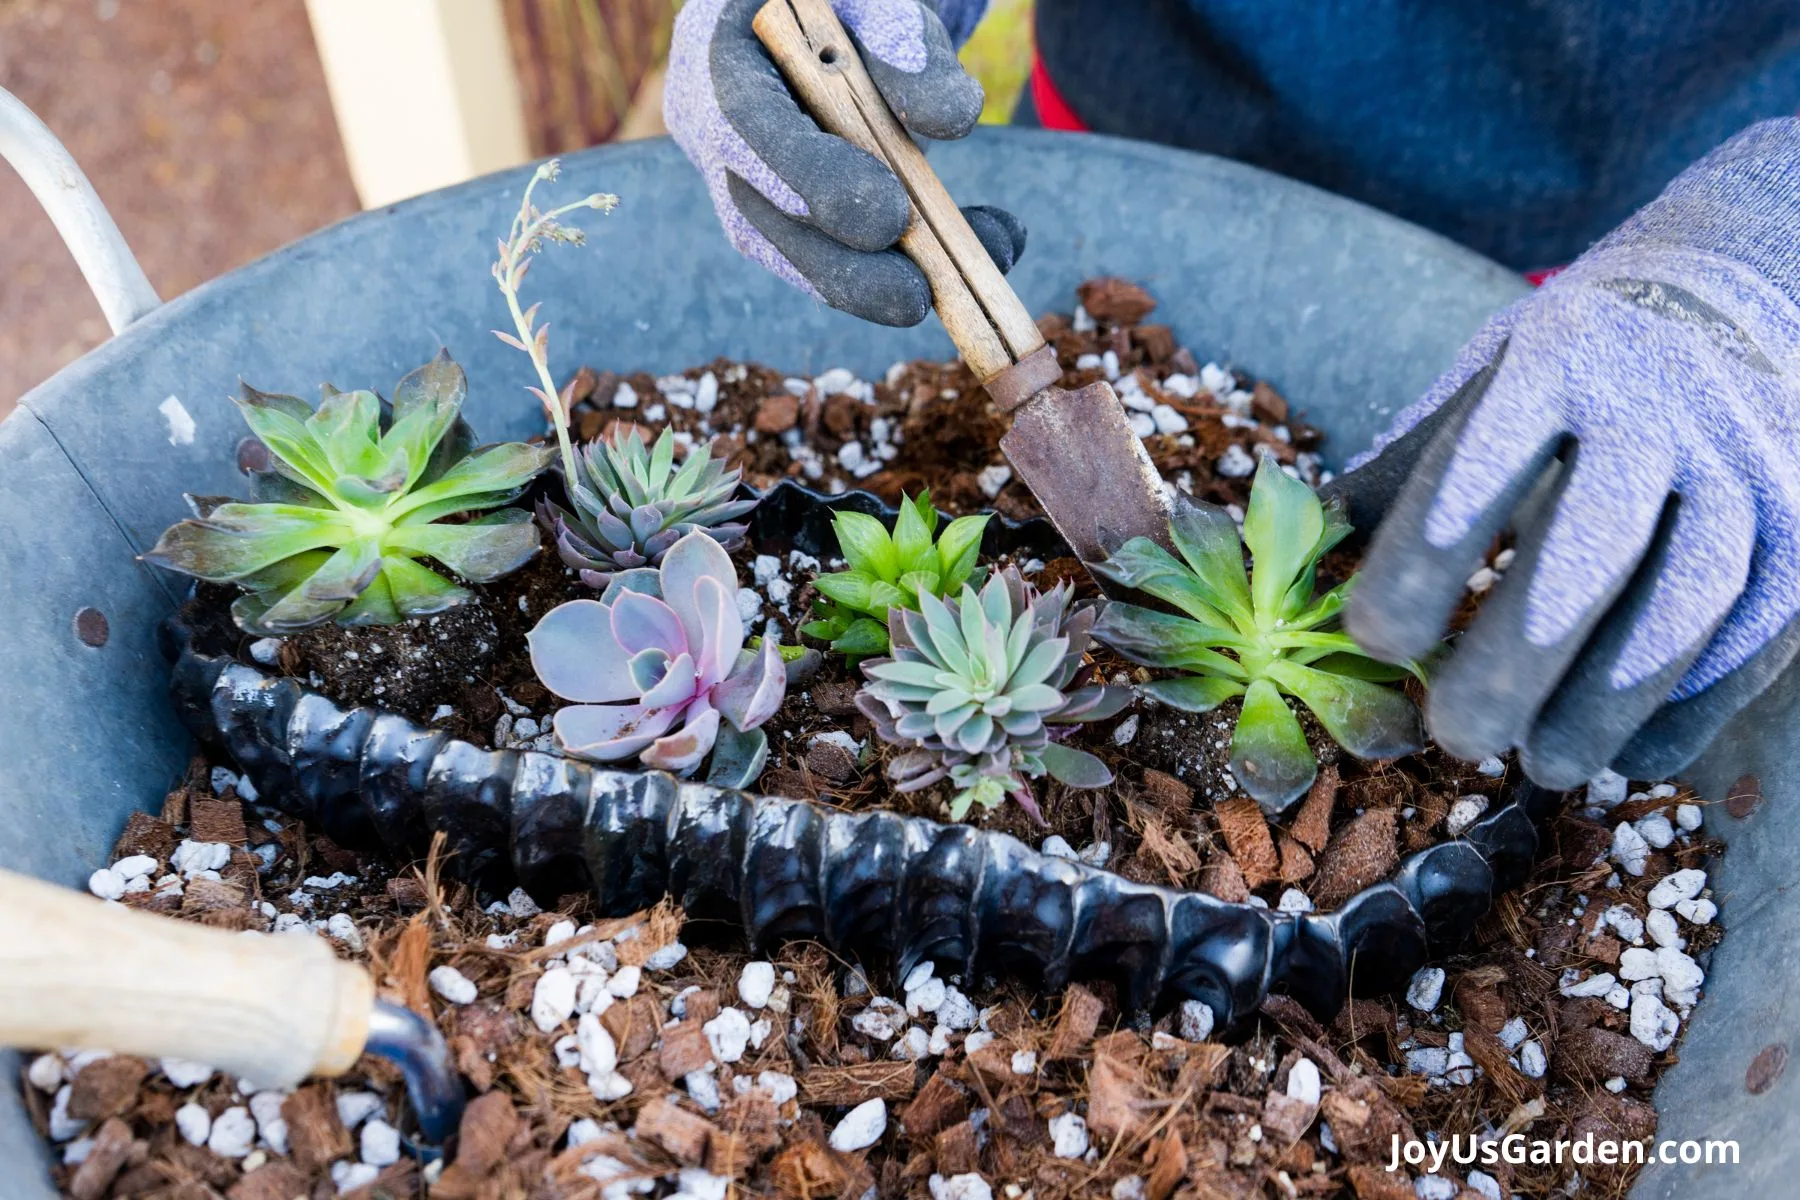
657, 666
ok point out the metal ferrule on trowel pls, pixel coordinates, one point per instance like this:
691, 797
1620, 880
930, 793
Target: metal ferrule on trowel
1074, 450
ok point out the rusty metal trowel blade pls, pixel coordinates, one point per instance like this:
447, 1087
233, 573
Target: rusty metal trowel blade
1078, 455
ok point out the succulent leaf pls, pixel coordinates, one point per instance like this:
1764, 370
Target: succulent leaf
1268, 748
1263, 636
354, 496
890, 572
973, 686
657, 667
631, 504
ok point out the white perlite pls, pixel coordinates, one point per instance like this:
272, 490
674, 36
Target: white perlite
266, 1108
1625, 923
1573, 985
1635, 963
452, 985
1698, 911
233, 1133
992, 479
1426, 988
1688, 817
729, 1034
1293, 900
194, 1124
1532, 1060
1235, 463
185, 1074
1068, 1136
380, 1144
553, 999
960, 1187
1663, 931
1303, 1082
1629, 849
1464, 813
1435, 1187
598, 1054
1513, 1032
354, 1108
1653, 1022
106, 883
1196, 1021
861, 1127
664, 958
1024, 1062
1607, 790
45, 1072
1486, 1184
1677, 886
756, 983
1657, 830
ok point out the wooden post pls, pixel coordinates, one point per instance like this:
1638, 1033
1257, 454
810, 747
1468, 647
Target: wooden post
424, 90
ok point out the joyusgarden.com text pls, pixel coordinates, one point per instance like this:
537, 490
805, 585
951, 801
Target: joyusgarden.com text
1468, 1150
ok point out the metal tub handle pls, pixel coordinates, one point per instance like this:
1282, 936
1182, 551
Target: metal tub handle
87, 229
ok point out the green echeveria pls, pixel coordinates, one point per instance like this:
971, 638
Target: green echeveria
1261, 638
890, 571
978, 688
360, 491
632, 503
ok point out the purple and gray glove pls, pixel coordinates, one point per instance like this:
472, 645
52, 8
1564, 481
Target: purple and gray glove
1636, 421
817, 211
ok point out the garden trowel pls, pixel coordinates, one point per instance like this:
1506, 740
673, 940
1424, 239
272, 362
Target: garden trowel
1074, 450
78, 973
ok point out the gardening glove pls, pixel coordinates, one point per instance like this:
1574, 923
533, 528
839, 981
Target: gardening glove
1636, 422
814, 209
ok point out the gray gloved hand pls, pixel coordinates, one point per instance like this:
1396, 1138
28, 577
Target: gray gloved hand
814, 209
1636, 420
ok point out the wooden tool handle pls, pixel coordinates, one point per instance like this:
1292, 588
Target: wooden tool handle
78, 972
991, 328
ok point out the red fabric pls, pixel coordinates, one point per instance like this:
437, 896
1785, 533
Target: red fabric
1538, 278
1053, 111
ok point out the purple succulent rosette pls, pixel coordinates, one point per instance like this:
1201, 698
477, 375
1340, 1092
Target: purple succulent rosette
657, 668
630, 504
1650, 389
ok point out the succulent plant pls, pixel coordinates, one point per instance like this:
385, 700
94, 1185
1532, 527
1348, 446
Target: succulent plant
358, 492
657, 668
980, 688
1261, 638
631, 504
890, 571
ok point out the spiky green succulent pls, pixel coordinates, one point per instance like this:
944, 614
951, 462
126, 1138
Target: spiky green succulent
1261, 635
631, 504
359, 492
889, 571
980, 688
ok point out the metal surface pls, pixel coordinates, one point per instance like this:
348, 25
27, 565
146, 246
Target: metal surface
414, 1044
88, 230
1349, 313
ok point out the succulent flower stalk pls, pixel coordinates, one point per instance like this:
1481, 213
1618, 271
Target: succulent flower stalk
631, 503
1262, 638
657, 668
890, 571
980, 688
359, 492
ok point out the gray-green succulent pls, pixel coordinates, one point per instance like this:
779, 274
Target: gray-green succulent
980, 689
1260, 635
631, 503
359, 492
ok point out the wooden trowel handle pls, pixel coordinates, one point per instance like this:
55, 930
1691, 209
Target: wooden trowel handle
991, 328
78, 972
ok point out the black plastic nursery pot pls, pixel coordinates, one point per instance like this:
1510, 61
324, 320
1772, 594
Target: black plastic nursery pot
1348, 312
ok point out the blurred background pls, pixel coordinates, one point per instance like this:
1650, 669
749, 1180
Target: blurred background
218, 130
